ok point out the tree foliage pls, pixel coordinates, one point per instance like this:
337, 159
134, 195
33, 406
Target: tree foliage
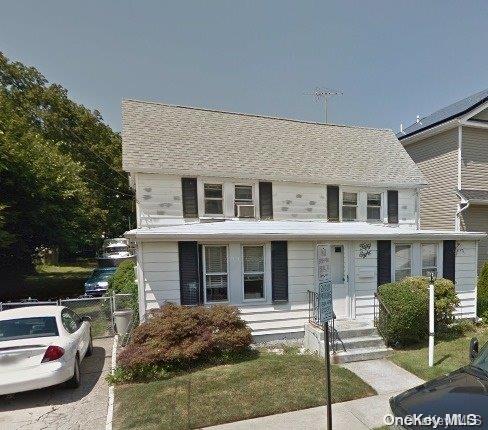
61, 183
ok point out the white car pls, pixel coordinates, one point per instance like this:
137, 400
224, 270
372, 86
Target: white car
42, 346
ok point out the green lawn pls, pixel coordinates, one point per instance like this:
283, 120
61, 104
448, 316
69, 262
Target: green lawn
449, 354
265, 385
61, 281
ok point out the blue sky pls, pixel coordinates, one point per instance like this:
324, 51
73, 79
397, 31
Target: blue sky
393, 60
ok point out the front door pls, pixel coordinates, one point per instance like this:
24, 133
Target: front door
339, 284
333, 267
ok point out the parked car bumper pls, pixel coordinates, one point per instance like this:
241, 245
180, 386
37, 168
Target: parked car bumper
42, 376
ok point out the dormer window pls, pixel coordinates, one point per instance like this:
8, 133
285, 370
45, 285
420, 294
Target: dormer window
242, 196
374, 207
213, 198
349, 206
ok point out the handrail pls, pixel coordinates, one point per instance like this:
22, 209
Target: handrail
381, 317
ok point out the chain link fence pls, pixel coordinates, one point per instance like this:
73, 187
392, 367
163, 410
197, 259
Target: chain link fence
99, 309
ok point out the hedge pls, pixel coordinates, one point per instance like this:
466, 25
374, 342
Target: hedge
407, 303
483, 293
124, 281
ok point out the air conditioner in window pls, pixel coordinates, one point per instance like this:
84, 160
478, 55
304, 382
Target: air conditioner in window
245, 211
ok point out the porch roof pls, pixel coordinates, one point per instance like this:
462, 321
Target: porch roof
238, 230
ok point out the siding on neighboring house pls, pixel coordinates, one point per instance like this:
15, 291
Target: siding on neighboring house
466, 278
436, 157
483, 115
474, 167
159, 198
475, 218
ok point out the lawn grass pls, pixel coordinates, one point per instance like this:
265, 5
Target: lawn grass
450, 354
265, 385
51, 282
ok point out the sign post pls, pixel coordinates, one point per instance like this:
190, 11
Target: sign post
325, 314
431, 320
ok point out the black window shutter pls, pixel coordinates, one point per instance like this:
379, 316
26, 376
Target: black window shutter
279, 271
449, 260
190, 197
332, 202
392, 206
190, 289
266, 200
384, 262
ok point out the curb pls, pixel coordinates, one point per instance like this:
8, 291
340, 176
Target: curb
110, 410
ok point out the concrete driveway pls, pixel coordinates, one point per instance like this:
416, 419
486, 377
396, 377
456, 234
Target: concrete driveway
63, 408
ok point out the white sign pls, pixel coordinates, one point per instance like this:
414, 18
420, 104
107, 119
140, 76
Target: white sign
324, 283
323, 263
326, 312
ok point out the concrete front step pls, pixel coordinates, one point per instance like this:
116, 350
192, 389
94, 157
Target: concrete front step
278, 334
361, 354
363, 342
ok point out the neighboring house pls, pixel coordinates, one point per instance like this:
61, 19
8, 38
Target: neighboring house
240, 209
450, 147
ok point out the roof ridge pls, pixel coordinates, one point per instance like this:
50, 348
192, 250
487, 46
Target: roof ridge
361, 127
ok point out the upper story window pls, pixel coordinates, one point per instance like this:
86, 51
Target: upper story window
213, 198
403, 261
374, 207
429, 259
242, 196
349, 206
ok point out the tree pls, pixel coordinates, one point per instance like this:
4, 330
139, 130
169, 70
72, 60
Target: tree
61, 183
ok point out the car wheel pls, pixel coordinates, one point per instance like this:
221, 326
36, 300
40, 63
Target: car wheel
75, 381
89, 351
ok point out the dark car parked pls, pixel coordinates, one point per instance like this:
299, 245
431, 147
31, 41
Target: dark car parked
97, 283
461, 397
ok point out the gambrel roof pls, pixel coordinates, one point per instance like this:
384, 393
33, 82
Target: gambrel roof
191, 141
452, 111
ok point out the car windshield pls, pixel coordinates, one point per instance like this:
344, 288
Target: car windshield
481, 360
25, 328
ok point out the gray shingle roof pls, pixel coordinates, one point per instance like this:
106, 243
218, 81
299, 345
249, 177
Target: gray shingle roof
445, 114
474, 194
190, 141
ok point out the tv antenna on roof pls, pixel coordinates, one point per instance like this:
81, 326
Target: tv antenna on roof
321, 94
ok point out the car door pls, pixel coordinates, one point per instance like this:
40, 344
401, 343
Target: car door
73, 327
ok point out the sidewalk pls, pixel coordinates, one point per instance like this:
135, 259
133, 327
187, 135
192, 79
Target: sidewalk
385, 377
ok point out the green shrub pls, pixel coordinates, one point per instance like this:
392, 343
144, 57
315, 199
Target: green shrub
124, 281
181, 337
407, 302
483, 293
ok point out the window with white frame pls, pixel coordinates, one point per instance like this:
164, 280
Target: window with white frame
429, 259
216, 273
349, 206
213, 199
242, 196
373, 206
253, 271
403, 261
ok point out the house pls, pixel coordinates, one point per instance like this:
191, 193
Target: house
450, 148
254, 211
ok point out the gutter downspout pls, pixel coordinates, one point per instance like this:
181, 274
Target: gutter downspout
458, 215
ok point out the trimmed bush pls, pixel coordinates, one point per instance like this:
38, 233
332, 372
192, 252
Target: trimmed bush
483, 293
180, 337
123, 281
407, 302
